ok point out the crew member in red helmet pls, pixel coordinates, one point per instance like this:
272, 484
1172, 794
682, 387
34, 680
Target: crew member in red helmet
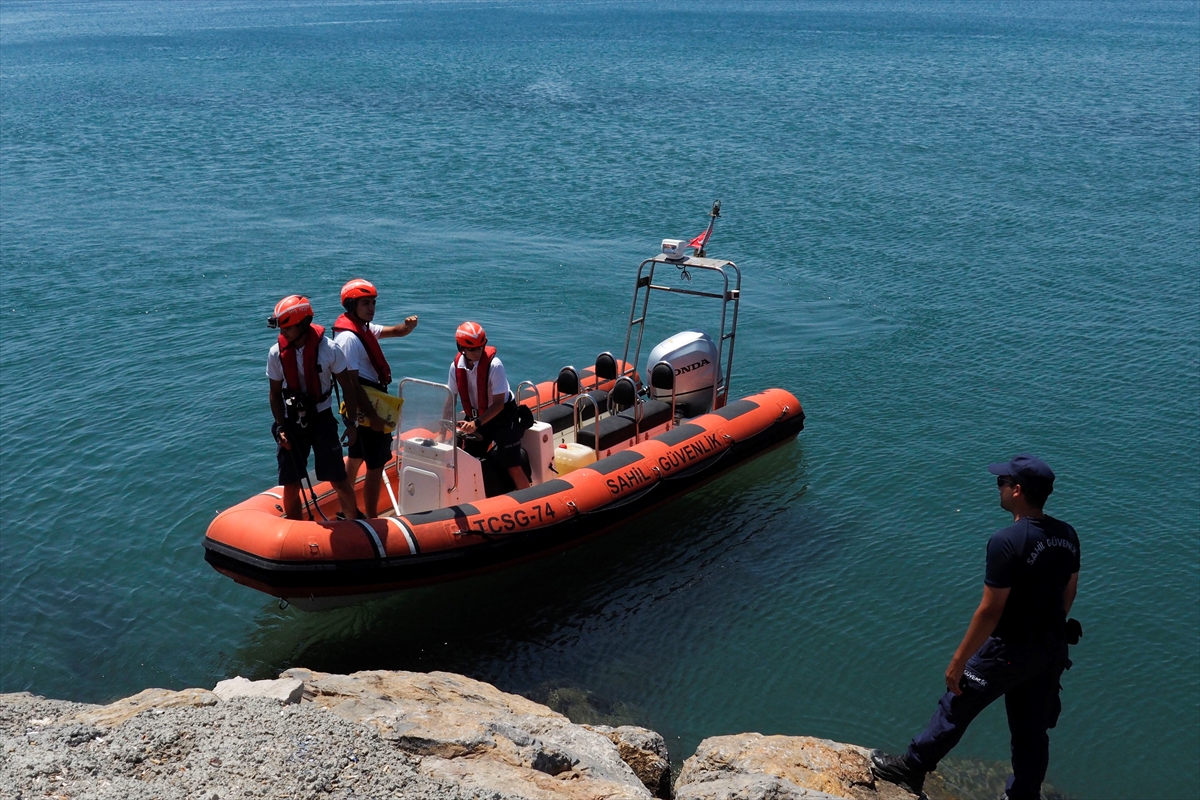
357, 337
477, 378
301, 367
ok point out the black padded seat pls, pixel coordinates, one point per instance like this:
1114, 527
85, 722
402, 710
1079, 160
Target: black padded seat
559, 417
606, 367
613, 431
562, 416
588, 410
654, 413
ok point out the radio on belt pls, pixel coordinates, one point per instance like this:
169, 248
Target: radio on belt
674, 249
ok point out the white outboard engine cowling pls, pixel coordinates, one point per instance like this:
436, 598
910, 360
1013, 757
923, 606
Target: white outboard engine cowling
693, 355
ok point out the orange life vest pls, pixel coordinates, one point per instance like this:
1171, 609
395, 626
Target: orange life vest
370, 343
481, 382
312, 371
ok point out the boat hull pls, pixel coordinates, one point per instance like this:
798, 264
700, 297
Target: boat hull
317, 564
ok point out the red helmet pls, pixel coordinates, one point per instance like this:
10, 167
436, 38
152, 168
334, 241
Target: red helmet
356, 289
292, 310
470, 334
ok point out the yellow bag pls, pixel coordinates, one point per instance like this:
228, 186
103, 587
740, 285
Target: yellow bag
386, 406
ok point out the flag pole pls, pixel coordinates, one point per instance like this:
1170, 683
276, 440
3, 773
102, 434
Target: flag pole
700, 242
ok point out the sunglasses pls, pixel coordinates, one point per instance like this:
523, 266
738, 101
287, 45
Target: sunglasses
1004, 480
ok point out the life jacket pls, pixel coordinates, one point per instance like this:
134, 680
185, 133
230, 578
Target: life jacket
481, 382
312, 371
371, 343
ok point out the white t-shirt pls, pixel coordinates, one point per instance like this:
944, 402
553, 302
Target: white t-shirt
355, 354
329, 362
497, 380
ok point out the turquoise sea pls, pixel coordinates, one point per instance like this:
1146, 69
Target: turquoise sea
967, 229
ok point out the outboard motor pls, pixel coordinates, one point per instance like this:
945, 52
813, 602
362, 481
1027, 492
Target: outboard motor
693, 355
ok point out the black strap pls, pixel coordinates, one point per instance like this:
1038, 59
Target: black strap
383, 387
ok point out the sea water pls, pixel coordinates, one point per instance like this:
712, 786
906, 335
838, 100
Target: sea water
966, 229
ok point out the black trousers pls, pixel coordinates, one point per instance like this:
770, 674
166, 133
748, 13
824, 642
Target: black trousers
1027, 675
505, 430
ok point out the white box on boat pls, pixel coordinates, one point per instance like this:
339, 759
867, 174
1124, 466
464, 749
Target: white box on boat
674, 249
538, 442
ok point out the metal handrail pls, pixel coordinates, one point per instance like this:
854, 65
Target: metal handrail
652, 387
639, 414
537, 396
596, 433
447, 424
557, 396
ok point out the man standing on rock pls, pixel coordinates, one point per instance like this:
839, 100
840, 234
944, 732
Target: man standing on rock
1016, 644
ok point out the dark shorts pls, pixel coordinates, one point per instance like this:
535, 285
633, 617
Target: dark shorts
374, 447
506, 431
321, 437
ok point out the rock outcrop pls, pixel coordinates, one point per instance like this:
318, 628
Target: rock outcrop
750, 766
381, 734
415, 736
473, 735
646, 754
285, 690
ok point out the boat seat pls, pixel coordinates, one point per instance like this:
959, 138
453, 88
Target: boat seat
613, 431
559, 417
624, 425
606, 366
654, 413
562, 416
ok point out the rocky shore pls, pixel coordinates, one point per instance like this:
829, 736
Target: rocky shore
383, 734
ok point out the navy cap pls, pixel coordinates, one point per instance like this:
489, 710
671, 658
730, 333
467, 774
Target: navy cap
1025, 467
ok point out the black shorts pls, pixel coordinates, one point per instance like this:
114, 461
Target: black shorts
374, 447
506, 431
321, 437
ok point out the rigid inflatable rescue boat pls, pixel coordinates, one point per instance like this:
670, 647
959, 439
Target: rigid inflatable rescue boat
603, 448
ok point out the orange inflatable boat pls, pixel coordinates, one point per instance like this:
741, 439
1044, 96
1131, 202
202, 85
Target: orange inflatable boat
605, 446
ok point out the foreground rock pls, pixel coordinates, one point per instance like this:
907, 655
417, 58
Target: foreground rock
406, 735
473, 736
750, 766
373, 734
246, 747
646, 754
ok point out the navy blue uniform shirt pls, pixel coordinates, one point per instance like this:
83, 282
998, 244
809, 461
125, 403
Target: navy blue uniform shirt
1034, 558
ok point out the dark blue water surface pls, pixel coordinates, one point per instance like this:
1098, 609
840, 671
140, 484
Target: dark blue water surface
967, 229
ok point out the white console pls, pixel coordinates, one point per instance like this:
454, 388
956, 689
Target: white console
427, 480
538, 442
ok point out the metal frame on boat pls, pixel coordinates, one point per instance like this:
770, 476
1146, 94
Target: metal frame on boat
728, 295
